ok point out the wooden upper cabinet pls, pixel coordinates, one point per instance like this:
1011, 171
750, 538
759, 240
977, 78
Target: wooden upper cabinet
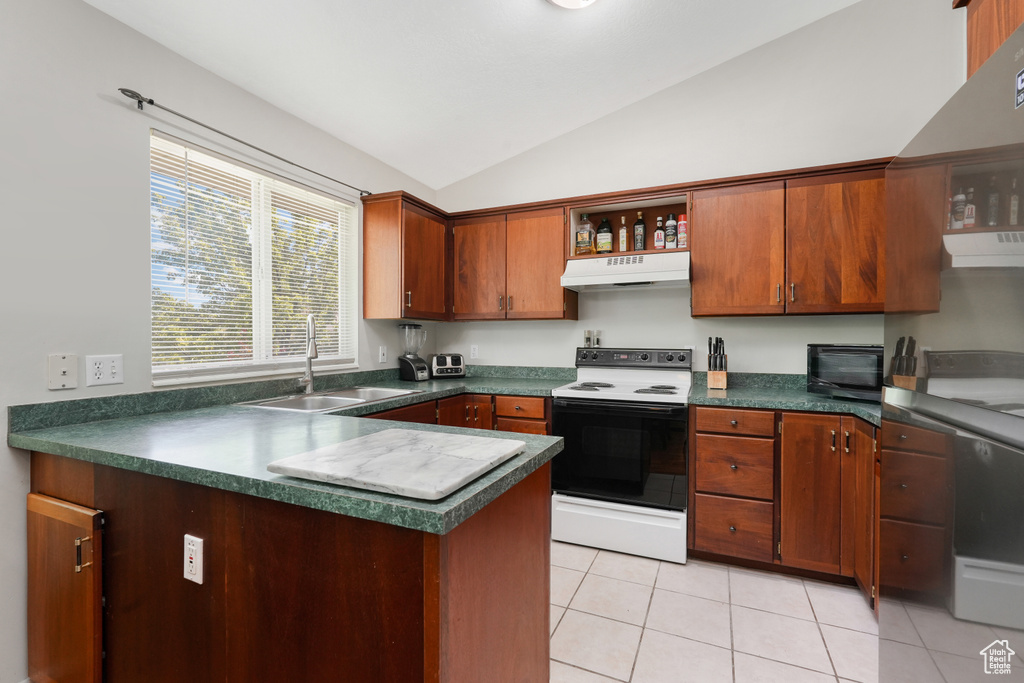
404, 258
479, 260
989, 24
916, 201
835, 244
510, 266
738, 250
535, 260
65, 591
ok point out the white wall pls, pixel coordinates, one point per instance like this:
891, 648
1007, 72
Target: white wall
74, 238
855, 85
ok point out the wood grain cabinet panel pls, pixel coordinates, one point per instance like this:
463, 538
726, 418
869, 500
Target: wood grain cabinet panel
911, 483
532, 407
835, 244
511, 424
736, 466
735, 421
989, 24
912, 556
405, 264
423, 413
65, 591
734, 527
737, 248
479, 249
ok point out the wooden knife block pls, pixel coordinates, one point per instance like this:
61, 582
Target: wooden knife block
904, 382
717, 379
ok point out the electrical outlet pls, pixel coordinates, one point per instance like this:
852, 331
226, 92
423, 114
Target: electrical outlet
193, 558
474, 351
104, 370
62, 371
382, 355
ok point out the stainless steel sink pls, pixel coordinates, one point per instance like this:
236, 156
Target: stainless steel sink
331, 400
308, 403
370, 393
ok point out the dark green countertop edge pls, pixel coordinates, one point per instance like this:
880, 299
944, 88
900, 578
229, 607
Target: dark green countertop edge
777, 392
437, 517
480, 379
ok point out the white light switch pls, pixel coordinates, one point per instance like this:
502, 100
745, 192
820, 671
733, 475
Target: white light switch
62, 371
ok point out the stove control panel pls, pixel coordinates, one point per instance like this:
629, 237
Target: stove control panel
633, 358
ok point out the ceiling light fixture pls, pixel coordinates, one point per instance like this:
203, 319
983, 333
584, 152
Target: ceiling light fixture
572, 4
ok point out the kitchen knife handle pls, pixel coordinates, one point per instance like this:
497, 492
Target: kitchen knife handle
833, 441
792, 291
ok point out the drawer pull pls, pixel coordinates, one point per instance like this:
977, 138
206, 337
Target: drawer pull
733, 422
732, 528
902, 437
519, 408
903, 486
905, 558
733, 467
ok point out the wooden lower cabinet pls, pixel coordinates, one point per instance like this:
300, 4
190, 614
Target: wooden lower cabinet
466, 410
735, 527
524, 414
295, 594
65, 591
423, 413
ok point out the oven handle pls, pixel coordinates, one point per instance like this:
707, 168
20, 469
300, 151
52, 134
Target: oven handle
620, 407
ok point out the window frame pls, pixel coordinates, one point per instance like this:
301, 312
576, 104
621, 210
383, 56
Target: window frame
348, 284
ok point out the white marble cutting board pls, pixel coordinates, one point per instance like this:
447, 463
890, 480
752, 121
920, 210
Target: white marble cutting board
406, 462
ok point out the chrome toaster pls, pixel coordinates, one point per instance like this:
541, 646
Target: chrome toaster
447, 365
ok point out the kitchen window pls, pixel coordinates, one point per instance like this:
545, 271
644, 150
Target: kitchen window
239, 257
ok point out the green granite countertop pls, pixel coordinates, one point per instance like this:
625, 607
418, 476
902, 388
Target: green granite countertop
229, 447
777, 392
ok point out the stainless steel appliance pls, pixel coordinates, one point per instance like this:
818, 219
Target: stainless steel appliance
845, 370
620, 483
410, 366
952, 457
447, 365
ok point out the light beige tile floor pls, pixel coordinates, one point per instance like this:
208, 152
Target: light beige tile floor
621, 618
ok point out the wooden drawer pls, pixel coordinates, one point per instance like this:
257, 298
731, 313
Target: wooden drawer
896, 436
425, 413
736, 466
914, 487
520, 406
734, 527
511, 424
913, 556
733, 421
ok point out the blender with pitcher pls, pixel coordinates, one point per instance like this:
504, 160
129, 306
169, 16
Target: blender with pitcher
410, 366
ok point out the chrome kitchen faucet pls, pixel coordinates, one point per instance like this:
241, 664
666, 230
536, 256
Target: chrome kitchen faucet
311, 353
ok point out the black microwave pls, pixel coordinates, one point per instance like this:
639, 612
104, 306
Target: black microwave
845, 370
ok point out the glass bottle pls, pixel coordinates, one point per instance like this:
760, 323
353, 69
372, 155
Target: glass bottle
623, 236
671, 232
639, 232
603, 237
584, 236
992, 215
659, 234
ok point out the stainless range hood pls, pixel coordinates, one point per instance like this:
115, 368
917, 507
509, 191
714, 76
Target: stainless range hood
665, 269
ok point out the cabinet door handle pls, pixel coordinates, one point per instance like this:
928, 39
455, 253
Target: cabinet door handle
792, 291
501, 302
778, 293
733, 467
847, 440
78, 554
510, 302
408, 299
467, 413
833, 441
476, 413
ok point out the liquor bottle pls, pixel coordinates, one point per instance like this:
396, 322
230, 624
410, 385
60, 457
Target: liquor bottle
956, 218
682, 231
970, 210
1014, 203
671, 232
604, 237
992, 215
659, 235
639, 232
584, 236
623, 236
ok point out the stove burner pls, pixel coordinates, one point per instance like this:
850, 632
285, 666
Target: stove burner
664, 386
583, 387
596, 385
654, 390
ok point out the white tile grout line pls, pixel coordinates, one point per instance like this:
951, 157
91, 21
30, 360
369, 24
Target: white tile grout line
732, 636
820, 632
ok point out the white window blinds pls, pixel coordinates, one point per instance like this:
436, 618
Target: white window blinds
238, 260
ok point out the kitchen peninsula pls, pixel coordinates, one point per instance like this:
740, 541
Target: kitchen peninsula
302, 580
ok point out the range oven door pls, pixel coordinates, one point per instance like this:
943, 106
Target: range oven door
632, 453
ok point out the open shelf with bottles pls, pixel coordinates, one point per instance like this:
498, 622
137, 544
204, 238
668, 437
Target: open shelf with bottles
994, 188
617, 211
